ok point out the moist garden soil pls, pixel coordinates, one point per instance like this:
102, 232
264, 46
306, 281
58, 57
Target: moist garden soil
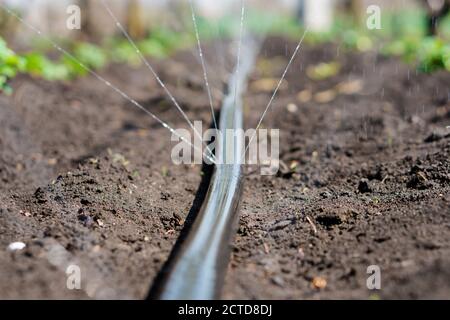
86, 179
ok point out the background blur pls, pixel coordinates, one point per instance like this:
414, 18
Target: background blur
416, 30
50, 16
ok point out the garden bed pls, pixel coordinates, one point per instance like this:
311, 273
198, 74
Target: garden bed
87, 180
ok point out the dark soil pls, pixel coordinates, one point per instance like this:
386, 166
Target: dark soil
87, 179
370, 186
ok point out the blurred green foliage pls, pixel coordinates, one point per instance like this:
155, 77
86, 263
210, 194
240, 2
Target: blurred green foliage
403, 34
10, 65
429, 53
39, 65
323, 70
159, 44
407, 39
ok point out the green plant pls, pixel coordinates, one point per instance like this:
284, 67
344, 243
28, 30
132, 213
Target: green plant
429, 53
153, 48
159, 44
433, 54
170, 40
403, 35
90, 55
323, 70
10, 65
39, 65
406, 48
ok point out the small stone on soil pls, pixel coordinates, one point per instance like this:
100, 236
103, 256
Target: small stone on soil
16, 246
436, 136
363, 186
281, 225
326, 194
87, 220
85, 202
325, 96
25, 213
40, 195
319, 283
301, 253
278, 281
292, 108
304, 96
329, 221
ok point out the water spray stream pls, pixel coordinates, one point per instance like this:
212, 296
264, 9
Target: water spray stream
205, 74
196, 270
297, 49
103, 80
158, 79
238, 62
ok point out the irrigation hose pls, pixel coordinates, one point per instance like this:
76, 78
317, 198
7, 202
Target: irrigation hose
197, 272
